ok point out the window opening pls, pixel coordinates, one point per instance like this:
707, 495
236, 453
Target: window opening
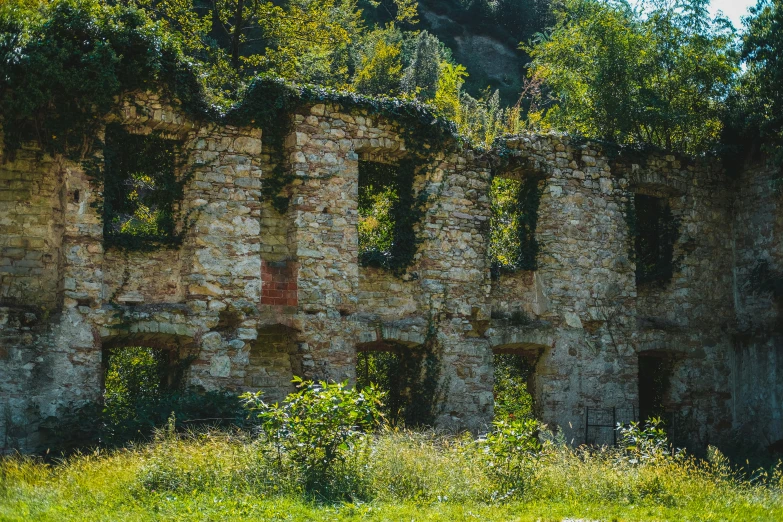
141, 189
655, 235
513, 219
513, 386
377, 199
388, 212
136, 381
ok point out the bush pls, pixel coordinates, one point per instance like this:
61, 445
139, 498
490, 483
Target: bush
512, 447
317, 429
642, 443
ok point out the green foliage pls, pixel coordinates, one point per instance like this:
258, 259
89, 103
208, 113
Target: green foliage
513, 400
65, 62
408, 378
513, 220
317, 427
421, 76
655, 75
395, 475
379, 71
644, 443
142, 390
512, 447
134, 374
756, 105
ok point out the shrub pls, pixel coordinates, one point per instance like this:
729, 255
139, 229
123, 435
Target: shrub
317, 428
511, 448
643, 443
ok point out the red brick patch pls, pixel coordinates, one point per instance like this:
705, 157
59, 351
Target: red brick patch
278, 283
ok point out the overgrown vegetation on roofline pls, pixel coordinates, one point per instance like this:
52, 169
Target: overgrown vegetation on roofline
660, 74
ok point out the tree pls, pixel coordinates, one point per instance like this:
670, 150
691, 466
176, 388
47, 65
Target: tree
421, 76
380, 68
658, 74
757, 102
231, 41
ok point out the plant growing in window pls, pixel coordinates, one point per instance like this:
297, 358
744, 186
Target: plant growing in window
141, 190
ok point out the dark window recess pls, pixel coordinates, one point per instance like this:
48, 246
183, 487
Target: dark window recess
393, 369
655, 235
654, 375
141, 189
388, 212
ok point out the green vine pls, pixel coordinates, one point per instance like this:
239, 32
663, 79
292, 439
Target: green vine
270, 103
65, 73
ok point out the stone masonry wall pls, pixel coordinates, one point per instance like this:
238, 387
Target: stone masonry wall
31, 205
690, 318
254, 297
756, 359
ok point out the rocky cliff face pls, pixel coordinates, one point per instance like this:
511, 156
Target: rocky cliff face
485, 39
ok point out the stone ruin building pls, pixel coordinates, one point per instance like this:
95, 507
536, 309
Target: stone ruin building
252, 296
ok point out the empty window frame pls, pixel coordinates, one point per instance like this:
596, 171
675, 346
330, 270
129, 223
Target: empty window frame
655, 235
141, 190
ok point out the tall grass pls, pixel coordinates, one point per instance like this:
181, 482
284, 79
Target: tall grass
392, 475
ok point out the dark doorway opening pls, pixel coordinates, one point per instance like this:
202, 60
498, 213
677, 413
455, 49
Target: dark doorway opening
514, 382
409, 377
144, 387
138, 381
655, 371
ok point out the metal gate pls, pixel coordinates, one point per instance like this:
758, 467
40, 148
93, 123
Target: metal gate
601, 423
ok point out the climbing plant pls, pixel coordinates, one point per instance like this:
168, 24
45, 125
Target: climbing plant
65, 65
408, 377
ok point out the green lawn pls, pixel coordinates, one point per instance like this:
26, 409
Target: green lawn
391, 476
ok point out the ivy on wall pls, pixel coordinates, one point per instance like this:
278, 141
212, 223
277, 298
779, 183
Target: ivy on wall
63, 75
270, 103
410, 379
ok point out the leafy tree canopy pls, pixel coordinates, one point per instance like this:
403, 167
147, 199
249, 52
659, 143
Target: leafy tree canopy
656, 74
756, 104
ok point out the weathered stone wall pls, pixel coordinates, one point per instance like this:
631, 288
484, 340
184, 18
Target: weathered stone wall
31, 205
581, 298
756, 360
255, 297
689, 319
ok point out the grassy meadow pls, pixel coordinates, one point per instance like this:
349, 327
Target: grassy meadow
391, 475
